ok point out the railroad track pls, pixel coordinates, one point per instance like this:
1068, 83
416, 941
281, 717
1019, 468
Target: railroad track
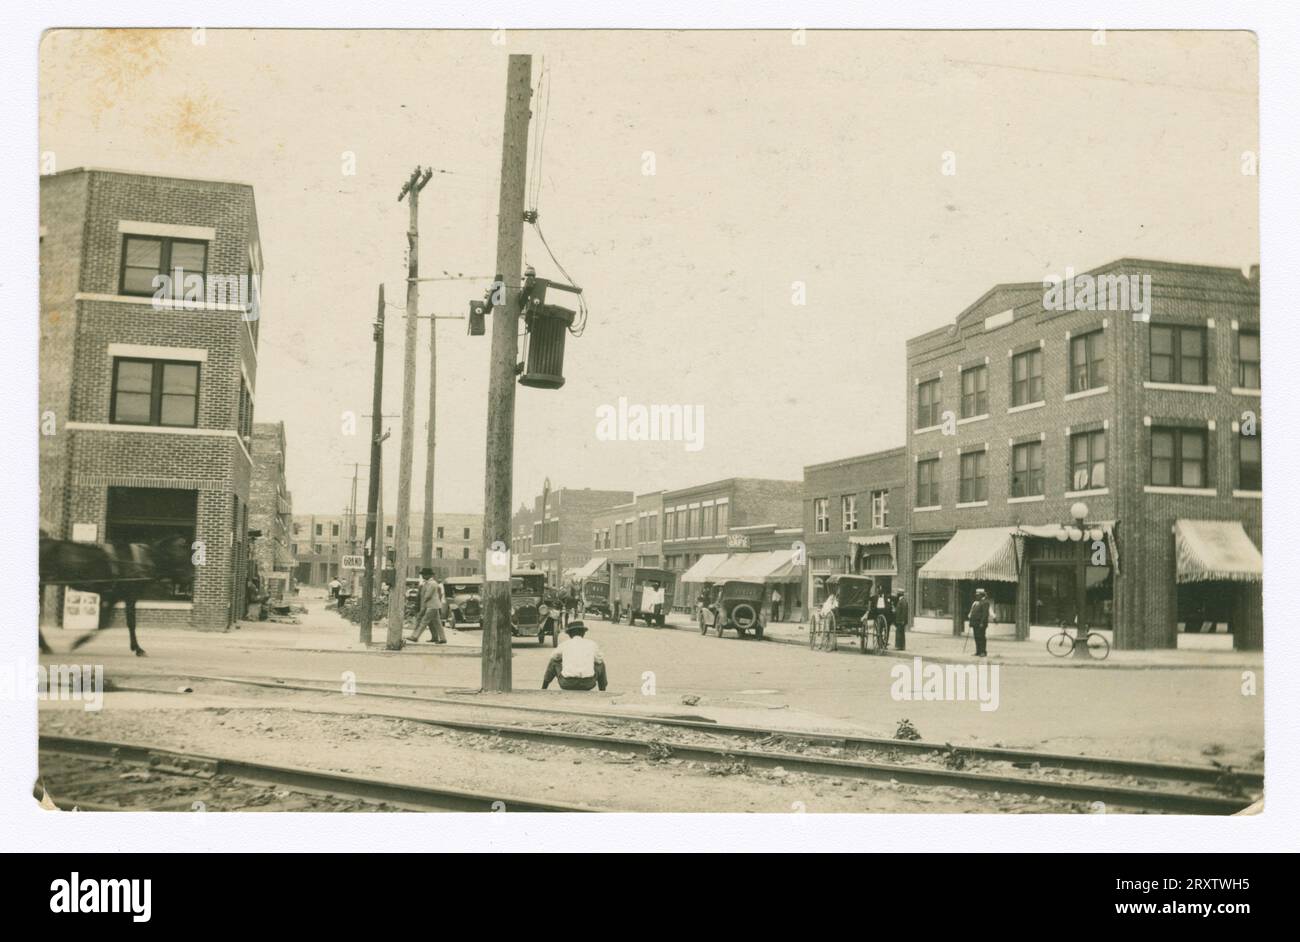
97, 775
1141, 786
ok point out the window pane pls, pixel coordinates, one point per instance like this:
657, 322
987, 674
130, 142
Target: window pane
1193, 446
144, 253
138, 280
1162, 341
1162, 445
1248, 346
1162, 369
1098, 474
190, 256
178, 410
1191, 343
132, 408
1161, 471
1099, 445
1192, 371
1250, 450
180, 378
134, 377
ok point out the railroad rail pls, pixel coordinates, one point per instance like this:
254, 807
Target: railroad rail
1201, 789
99, 775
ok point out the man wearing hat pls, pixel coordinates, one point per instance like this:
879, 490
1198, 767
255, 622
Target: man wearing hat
979, 621
577, 664
430, 612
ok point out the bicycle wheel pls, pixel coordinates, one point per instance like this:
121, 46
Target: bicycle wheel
1059, 645
1098, 646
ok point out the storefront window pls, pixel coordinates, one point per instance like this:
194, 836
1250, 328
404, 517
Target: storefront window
1099, 597
934, 599
1053, 595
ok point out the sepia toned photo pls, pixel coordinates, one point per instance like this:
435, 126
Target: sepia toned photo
642, 420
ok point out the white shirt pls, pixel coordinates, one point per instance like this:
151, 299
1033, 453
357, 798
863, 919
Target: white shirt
651, 597
578, 657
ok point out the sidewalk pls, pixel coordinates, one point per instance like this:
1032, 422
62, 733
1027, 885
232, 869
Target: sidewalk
949, 649
321, 628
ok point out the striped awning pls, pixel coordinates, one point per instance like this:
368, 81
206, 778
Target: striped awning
985, 553
702, 571
589, 569
770, 566
1209, 550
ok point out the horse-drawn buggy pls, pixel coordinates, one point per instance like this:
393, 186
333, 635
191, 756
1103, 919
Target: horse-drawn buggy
854, 608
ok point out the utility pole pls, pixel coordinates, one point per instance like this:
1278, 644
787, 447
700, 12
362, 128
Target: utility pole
397, 598
426, 533
499, 468
372, 491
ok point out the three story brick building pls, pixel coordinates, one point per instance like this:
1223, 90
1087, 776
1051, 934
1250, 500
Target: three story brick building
148, 366
1095, 465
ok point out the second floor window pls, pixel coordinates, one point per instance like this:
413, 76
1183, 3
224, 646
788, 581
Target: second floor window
1248, 359
974, 392
849, 511
1027, 470
974, 477
1088, 460
1027, 378
465, 535
464, 553
1250, 463
879, 509
928, 403
146, 257
1178, 354
155, 392
1178, 457
821, 515
1087, 361
927, 483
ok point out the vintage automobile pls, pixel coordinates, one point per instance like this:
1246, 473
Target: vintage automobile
463, 600
412, 595
595, 598
853, 596
530, 603
735, 605
632, 599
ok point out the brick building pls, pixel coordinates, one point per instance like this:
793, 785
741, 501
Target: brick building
270, 510
853, 515
627, 536
1145, 421
558, 535
147, 400
730, 517
320, 541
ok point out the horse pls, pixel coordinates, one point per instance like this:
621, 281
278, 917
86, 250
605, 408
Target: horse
117, 572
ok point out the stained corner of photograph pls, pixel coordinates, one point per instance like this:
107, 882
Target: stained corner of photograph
645, 420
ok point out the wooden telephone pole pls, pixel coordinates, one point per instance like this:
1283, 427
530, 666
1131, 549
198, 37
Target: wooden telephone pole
401, 536
426, 532
497, 494
372, 492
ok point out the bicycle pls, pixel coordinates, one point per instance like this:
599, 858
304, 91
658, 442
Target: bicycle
1063, 644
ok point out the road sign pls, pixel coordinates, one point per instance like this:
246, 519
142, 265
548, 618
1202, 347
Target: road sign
353, 562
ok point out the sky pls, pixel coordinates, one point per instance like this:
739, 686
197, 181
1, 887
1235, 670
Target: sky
786, 168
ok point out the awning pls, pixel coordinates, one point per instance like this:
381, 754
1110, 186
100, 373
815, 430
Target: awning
769, 566
1050, 530
1216, 549
986, 553
703, 568
883, 539
588, 570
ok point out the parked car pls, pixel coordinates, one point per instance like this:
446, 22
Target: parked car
530, 603
412, 595
738, 606
463, 603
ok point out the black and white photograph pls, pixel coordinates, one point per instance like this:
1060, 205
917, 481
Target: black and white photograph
765, 420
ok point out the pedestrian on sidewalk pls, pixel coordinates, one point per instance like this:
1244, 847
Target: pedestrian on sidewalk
901, 613
430, 613
335, 585
979, 622
776, 605
578, 663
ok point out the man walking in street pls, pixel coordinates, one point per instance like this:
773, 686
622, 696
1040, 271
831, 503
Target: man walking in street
577, 664
979, 621
430, 612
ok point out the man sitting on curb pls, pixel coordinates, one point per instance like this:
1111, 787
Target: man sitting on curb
577, 664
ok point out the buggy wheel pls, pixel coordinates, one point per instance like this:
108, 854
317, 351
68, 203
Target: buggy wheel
862, 638
813, 630
882, 634
704, 628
